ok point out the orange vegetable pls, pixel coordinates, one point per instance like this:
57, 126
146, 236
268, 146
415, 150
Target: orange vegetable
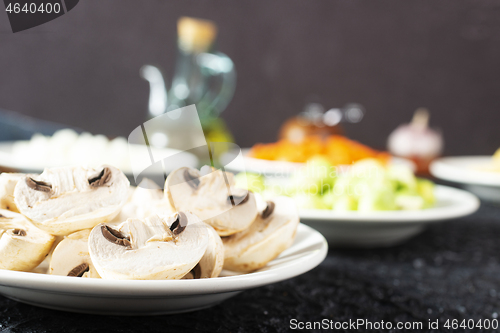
336, 148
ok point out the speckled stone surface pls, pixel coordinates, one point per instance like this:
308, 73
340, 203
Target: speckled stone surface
451, 271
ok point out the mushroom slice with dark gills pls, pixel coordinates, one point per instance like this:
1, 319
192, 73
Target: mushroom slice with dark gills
211, 263
8, 182
157, 247
270, 234
64, 200
22, 245
211, 195
71, 257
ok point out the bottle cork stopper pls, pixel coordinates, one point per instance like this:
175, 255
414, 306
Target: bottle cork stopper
195, 35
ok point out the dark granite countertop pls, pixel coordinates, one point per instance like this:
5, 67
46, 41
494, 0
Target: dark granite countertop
451, 271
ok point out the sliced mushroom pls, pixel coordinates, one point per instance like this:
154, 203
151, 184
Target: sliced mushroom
147, 199
19, 232
234, 199
64, 200
43, 268
270, 234
114, 236
213, 198
8, 182
212, 261
103, 178
179, 224
79, 270
22, 245
268, 210
38, 185
155, 251
71, 257
191, 179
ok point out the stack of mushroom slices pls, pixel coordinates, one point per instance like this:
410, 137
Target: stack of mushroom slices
254, 232
58, 202
88, 222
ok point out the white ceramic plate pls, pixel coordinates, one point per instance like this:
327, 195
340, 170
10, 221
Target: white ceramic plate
151, 297
475, 173
386, 228
277, 168
257, 165
9, 160
466, 170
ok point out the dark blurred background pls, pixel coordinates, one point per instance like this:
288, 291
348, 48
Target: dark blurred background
82, 69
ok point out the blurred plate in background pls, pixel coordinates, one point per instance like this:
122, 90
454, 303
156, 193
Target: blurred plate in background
476, 170
279, 168
30, 164
257, 165
476, 173
387, 228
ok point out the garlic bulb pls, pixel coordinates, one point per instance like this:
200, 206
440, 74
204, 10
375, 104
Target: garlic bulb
416, 140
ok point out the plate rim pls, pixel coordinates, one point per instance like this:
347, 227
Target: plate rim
169, 288
434, 214
443, 168
288, 167
7, 160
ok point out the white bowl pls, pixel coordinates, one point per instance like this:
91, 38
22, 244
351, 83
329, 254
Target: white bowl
387, 228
